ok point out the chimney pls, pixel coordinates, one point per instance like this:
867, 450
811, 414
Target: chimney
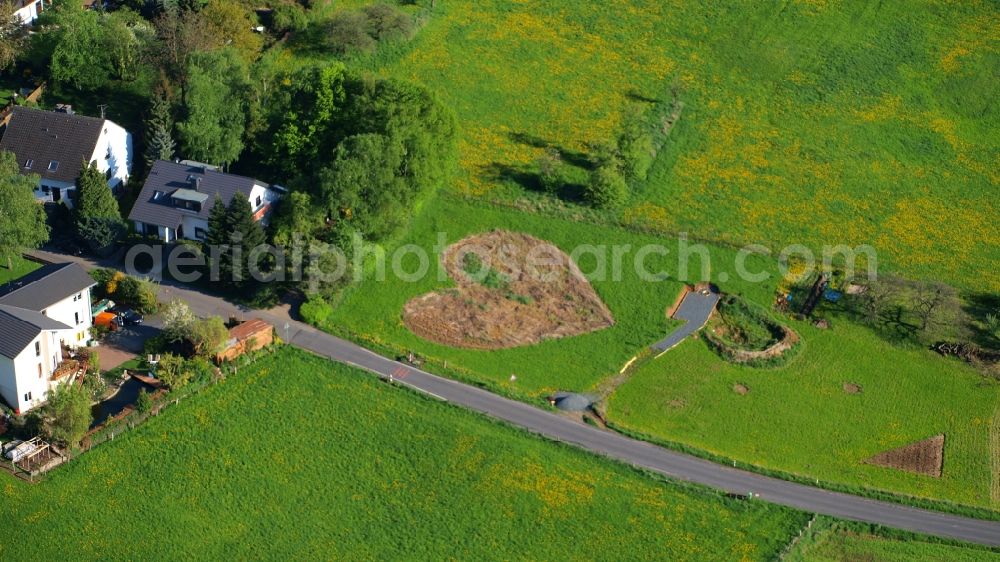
196, 183
64, 108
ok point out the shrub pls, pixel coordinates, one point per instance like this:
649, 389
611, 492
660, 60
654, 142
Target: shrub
386, 22
173, 370
101, 233
361, 31
635, 146
98, 333
607, 188
144, 402
289, 16
348, 32
316, 311
551, 176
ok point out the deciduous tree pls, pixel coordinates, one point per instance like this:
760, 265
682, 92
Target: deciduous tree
67, 414
214, 107
22, 219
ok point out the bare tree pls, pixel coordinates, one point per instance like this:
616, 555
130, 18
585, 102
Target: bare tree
931, 300
877, 298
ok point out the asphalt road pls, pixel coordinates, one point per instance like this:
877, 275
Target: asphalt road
694, 311
638, 453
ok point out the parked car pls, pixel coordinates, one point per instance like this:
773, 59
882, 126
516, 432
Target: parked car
127, 317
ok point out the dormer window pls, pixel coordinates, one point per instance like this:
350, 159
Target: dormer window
28, 164
53, 165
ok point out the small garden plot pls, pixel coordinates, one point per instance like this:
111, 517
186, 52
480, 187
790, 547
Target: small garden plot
923, 457
512, 290
743, 333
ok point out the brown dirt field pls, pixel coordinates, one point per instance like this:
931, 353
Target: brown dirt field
922, 457
558, 300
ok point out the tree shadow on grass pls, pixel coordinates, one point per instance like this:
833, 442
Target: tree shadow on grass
530, 180
636, 95
572, 157
977, 306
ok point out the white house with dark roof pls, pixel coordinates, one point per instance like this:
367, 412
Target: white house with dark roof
41, 314
55, 144
177, 198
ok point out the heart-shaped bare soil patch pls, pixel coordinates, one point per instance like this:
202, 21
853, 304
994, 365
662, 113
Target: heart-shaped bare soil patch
512, 290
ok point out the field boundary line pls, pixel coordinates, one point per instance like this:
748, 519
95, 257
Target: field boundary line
790, 547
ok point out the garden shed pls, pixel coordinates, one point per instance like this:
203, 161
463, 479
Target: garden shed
247, 336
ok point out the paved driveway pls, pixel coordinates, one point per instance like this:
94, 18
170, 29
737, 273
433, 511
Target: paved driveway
126, 343
694, 311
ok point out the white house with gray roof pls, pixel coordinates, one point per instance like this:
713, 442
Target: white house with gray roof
177, 198
55, 145
41, 314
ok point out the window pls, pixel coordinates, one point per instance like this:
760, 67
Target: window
27, 397
29, 163
200, 233
53, 165
258, 201
157, 195
38, 349
39, 370
76, 316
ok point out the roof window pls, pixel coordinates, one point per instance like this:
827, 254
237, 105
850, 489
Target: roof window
53, 165
29, 163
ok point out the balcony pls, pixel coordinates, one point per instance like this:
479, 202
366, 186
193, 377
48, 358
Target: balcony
75, 362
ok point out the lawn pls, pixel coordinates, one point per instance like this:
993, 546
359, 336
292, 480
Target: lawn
21, 268
804, 122
371, 310
301, 458
799, 419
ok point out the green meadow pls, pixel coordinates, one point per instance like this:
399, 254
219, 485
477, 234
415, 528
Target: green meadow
300, 458
813, 122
